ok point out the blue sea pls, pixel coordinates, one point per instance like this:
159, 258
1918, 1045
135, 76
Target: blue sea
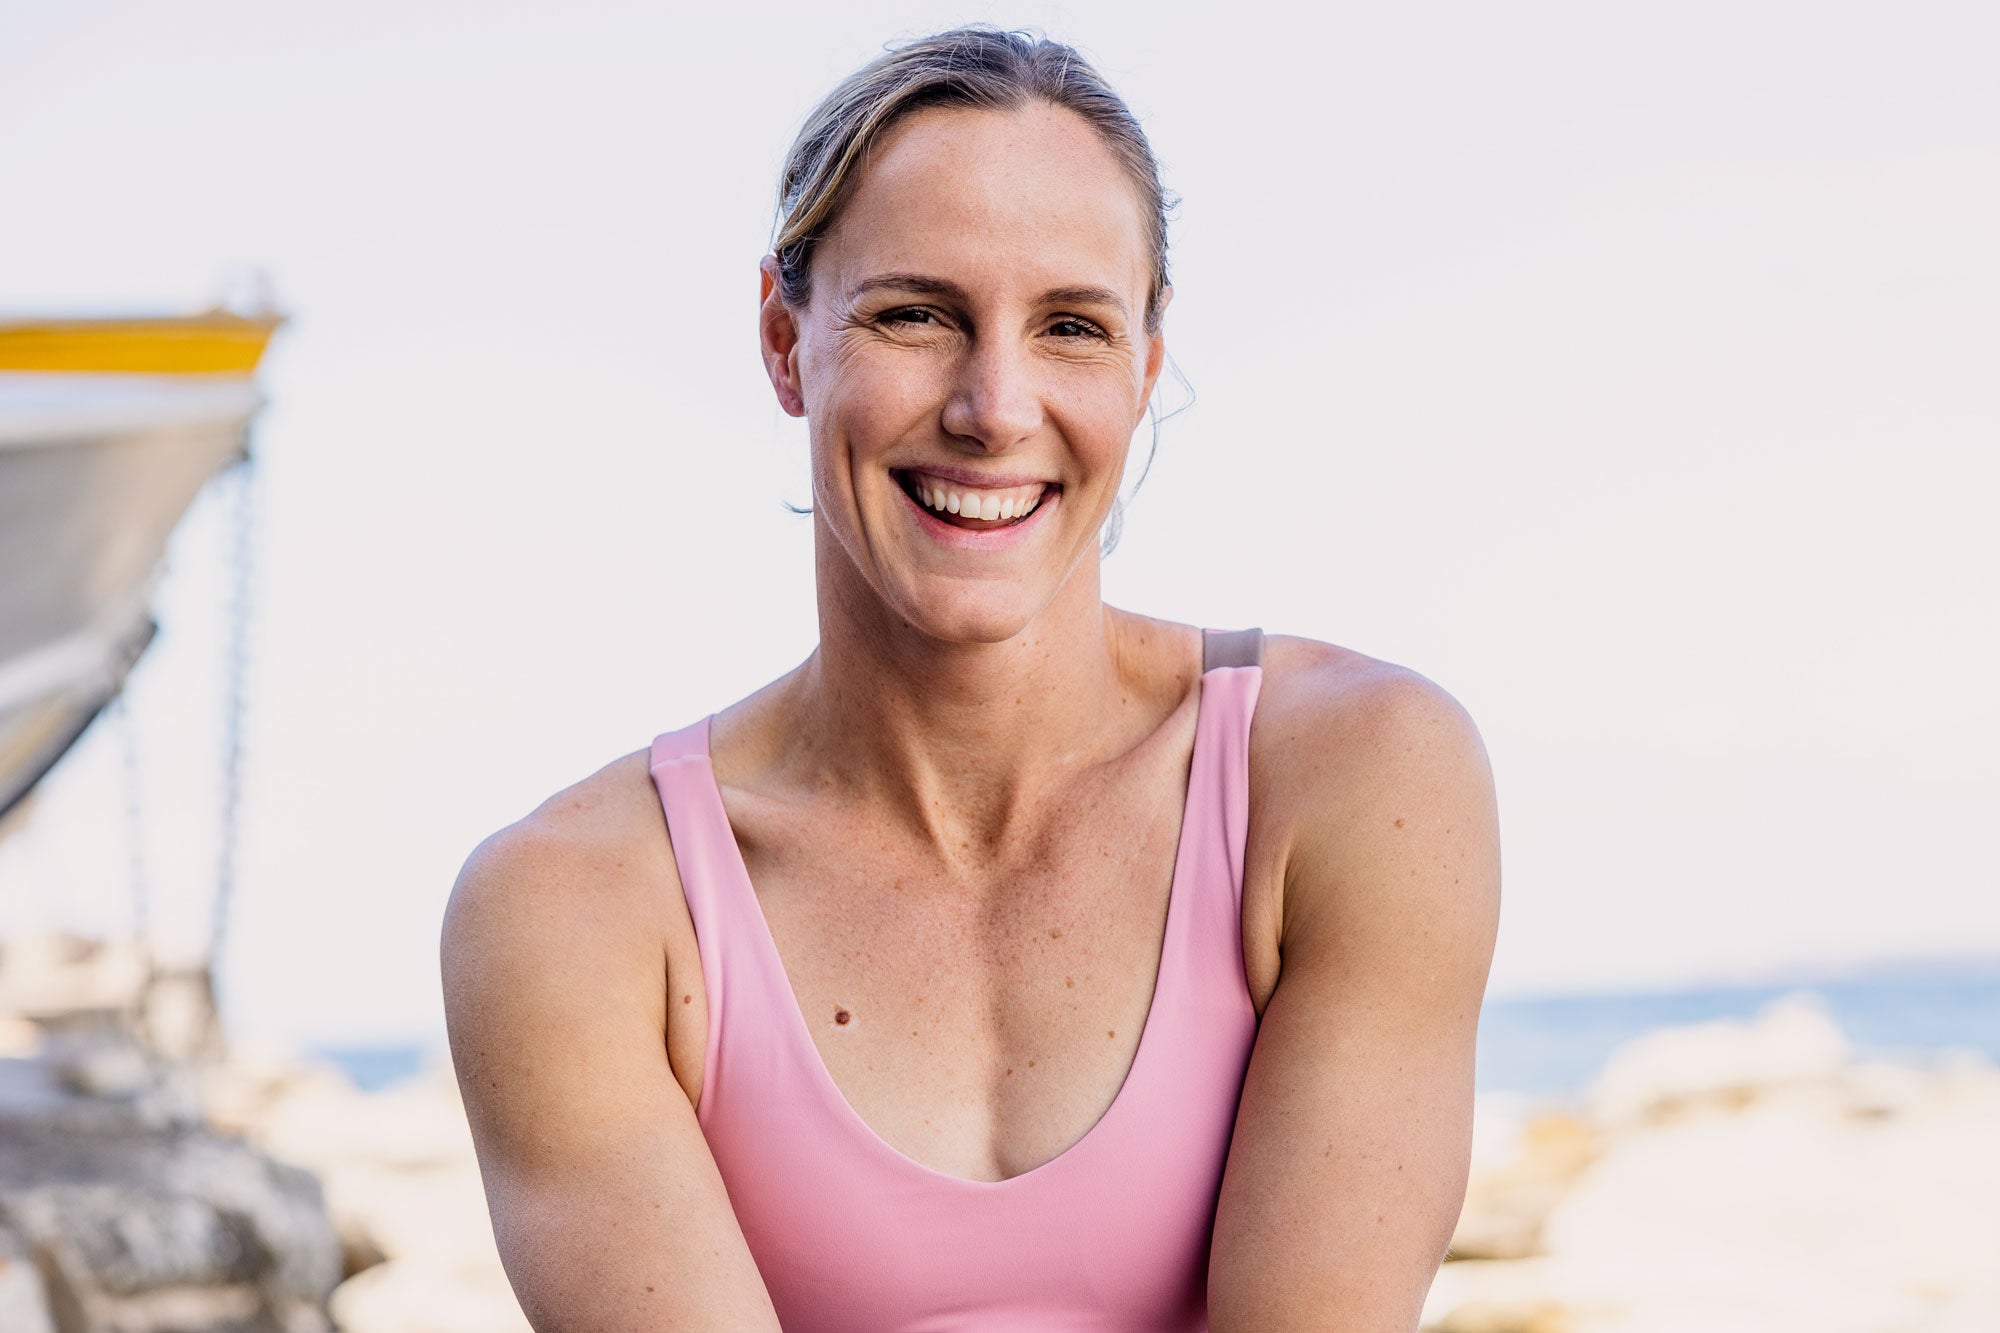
1551, 1045
376, 1067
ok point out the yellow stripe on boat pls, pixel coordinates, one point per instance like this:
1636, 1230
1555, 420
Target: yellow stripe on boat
217, 343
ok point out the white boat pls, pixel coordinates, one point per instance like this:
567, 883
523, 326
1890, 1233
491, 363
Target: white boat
109, 428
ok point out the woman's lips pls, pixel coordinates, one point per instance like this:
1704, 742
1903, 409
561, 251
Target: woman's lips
985, 535
958, 476
973, 508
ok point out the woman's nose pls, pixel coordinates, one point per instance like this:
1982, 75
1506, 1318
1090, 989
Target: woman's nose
995, 400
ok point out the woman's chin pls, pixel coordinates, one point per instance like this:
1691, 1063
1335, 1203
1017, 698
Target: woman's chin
985, 613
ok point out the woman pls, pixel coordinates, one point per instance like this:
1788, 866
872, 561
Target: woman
1065, 996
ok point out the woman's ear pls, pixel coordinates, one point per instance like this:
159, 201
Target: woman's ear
778, 333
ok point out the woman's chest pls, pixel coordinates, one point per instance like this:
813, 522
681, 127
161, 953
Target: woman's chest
979, 1018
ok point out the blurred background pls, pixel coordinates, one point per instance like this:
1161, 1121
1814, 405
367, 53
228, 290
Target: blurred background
1626, 370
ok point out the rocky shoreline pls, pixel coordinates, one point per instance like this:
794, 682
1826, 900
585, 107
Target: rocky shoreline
1738, 1177
1726, 1177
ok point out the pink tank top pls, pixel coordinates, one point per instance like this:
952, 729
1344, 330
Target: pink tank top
851, 1235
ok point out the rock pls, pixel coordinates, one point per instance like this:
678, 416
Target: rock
106, 1071
1744, 1178
242, 1093
1493, 1296
1790, 1214
414, 1125
429, 1294
24, 1301
359, 1250
1878, 1089
19, 1037
1727, 1063
121, 1210
90, 1066
60, 972
1506, 1205
403, 1185
134, 1227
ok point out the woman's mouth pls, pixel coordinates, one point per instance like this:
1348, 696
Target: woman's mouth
971, 508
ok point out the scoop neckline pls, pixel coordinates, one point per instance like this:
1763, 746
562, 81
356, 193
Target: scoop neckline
816, 1063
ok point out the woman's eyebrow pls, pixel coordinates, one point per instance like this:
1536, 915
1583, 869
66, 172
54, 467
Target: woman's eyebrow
951, 291
907, 282
1084, 296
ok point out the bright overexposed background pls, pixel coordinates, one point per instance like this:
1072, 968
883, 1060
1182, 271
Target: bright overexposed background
1629, 370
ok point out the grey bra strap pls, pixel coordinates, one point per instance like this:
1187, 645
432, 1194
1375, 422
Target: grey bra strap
1231, 648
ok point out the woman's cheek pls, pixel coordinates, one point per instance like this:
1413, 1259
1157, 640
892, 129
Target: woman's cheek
893, 395
1104, 417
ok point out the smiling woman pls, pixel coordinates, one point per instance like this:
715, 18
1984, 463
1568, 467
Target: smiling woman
1015, 960
1019, 306
958, 70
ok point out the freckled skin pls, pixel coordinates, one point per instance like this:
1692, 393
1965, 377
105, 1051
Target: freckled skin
979, 304
902, 720
963, 705
996, 374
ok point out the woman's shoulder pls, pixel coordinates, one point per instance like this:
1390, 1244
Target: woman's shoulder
1341, 742
1314, 692
595, 850
600, 812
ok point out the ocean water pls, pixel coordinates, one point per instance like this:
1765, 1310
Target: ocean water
1552, 1045
376, 1067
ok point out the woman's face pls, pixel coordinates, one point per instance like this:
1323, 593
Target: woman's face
976, 329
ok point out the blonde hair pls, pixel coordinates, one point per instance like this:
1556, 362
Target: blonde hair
975, 66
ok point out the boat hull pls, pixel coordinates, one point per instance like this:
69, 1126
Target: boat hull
95, 473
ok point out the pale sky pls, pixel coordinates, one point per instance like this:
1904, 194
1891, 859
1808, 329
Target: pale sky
1626, 370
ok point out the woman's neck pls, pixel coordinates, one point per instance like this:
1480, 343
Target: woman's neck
962, 737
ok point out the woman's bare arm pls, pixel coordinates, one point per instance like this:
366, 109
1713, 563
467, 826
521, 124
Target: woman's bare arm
607, 1206
1348, 1167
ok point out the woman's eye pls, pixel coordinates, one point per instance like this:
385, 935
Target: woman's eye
909, 317
1075, 328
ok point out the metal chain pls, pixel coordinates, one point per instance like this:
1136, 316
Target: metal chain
242, 516
139, 1010
135, 822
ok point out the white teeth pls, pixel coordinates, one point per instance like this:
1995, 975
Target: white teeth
1011, 503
